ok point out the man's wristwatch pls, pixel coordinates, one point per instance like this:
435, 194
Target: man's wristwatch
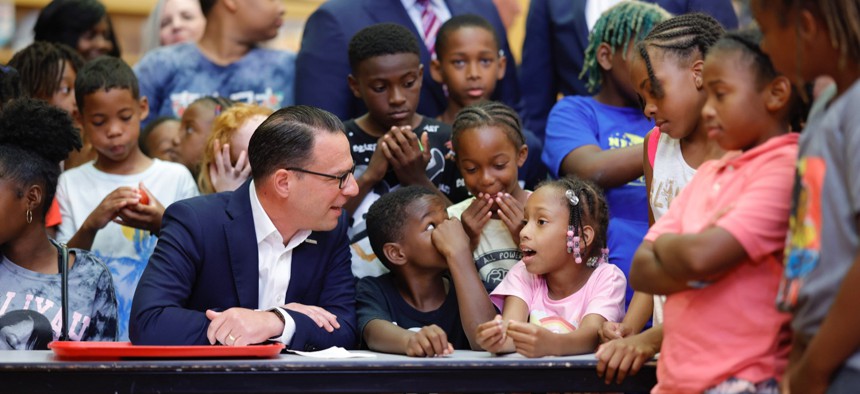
279, 313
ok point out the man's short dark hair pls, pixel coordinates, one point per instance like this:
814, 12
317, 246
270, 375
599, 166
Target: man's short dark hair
286, 138
105, 73
387, 216
379, 40
206, 6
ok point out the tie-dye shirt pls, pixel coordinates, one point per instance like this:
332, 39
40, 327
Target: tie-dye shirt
173, 77
92, 304
123, 249
602, 294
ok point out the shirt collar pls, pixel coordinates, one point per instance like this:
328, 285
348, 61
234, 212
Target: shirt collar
738, 158
265, 229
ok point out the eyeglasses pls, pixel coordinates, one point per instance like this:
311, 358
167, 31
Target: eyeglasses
341, 179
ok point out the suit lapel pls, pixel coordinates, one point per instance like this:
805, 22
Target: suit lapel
241, 242
302, 269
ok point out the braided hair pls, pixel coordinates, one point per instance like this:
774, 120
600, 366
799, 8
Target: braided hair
591, 209
488, 113
34, 138
687, 36
625, 23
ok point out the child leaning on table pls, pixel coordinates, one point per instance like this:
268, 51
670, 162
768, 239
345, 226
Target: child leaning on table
432, 300
564, 285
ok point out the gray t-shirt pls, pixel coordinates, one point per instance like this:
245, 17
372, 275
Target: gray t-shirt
30, 300
823, 239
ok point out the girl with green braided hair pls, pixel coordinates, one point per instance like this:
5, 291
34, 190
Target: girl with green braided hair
599, 137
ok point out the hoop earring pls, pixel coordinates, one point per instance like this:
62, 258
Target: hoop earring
29, 216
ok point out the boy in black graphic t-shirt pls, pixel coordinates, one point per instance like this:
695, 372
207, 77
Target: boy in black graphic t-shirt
391, 144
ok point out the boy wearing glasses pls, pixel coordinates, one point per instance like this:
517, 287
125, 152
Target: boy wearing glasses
391, 144
268, 261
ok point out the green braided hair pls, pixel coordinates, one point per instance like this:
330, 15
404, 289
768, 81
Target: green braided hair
616, 27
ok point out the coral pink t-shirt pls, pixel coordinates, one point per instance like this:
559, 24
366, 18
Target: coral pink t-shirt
731, 328
603, 295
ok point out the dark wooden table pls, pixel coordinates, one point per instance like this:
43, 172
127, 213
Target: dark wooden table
465, 371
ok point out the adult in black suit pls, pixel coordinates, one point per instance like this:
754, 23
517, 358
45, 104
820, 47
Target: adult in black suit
323, 65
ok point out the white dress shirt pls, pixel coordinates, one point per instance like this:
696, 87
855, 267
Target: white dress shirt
414, 10
275, 263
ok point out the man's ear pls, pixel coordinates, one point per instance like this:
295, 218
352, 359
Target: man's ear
604, 56
697, 68
436, 71
394, 253
231, 5
353, 86
282, 182
778, 94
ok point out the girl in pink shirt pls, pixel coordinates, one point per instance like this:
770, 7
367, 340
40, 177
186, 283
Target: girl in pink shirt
717, 252
564, 285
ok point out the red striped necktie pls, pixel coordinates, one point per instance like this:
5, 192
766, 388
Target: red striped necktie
430, 23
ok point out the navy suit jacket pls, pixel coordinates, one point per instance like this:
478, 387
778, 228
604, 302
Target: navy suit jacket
206, 258
322, 65
555, 44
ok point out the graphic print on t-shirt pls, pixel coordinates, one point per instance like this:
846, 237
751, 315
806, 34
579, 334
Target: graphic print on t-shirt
803, 246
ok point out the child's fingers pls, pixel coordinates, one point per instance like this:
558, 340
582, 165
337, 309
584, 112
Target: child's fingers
386, 151
626, 362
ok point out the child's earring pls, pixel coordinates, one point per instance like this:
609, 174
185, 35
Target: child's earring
29, 216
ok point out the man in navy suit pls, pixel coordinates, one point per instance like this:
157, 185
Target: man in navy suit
555, 43
323, 65
269, 261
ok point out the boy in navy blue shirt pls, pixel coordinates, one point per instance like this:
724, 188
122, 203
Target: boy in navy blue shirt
415, 309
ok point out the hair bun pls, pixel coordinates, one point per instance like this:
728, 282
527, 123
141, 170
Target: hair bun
38, 127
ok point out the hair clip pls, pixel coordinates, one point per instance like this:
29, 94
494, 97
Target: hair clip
571, 196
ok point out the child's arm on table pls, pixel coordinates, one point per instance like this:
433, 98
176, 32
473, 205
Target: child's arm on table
640, 310
532, 340
493, 336
625, 356
384, 336
472, 298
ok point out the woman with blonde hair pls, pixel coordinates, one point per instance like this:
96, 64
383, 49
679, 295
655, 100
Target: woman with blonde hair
225, 166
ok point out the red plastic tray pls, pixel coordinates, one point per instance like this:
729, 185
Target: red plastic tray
115, 350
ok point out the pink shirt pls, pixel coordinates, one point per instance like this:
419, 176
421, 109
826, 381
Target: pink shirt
731, 328
603, 294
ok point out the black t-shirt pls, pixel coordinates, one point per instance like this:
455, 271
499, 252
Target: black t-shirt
441, 171
378, 298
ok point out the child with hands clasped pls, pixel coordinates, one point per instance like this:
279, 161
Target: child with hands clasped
490, 148
807, 40
120, 228
432, 300
718, 251
555, 299
392, 145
